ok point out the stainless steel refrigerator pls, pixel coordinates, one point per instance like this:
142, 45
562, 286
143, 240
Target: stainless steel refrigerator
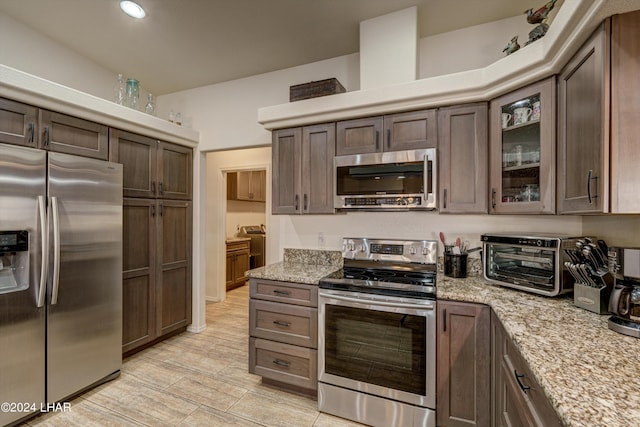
60, 276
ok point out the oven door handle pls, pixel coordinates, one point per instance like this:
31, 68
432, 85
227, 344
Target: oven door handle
428, 306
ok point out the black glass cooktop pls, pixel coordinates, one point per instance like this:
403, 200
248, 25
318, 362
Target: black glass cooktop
405, 281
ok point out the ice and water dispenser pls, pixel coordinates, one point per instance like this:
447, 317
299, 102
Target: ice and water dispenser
14, 260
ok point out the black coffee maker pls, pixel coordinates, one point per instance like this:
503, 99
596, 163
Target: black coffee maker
624, 303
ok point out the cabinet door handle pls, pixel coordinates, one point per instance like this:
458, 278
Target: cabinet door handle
523, 387
589, 178
153, 210
297, 202
388, 138
444, 199
153, 186
281, 363
305, 202
46, 136
281, 323
279, 292
160, 187
444, 320
161, 210
493, 198
32, 132
377, 140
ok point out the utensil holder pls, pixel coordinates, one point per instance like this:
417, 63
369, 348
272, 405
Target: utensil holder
590, 298
455, 265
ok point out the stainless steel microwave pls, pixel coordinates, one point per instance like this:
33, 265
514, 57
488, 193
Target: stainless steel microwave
396, 180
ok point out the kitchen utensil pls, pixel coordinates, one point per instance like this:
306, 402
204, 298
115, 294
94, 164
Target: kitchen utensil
442, 238
456, 248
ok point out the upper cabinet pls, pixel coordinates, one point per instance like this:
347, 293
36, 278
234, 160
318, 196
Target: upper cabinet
156, 169
583, 129
247, 186
18, 123
463, 149
599, 122
522, 150
303, 169
23, 124
394, 132
625, 109
66, 134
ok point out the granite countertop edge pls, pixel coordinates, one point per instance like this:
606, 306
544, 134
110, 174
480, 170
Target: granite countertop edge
581, 365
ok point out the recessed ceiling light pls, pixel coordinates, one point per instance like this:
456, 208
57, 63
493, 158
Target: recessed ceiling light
132, 9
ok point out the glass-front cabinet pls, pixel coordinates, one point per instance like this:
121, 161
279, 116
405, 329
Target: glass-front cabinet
522, 151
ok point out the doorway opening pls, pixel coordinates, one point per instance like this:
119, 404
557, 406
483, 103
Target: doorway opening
245, 220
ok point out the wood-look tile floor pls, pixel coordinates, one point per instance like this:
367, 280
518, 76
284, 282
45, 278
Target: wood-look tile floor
193, 380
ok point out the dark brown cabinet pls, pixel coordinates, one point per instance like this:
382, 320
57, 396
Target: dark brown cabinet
248, 186
522, 162
583, 129
156, 276
518, 399
303, 170
463, 376
463, 163
157, 241
66, 134
18, 123
23, 124
393, 132
283, 329
138, 272
598, 118
153, 169
238, 256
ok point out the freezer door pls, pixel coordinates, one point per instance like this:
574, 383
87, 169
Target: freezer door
84, 327
22, 323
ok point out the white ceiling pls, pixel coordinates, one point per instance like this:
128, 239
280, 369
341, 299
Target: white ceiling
183, 44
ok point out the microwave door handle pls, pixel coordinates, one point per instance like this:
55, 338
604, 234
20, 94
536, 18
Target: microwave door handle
430, 192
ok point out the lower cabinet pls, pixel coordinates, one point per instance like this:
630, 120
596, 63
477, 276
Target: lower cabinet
238, 256
283, 329
482, 379
518, 399
463, 377
156, 278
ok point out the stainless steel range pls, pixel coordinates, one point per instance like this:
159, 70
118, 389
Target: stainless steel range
377, 334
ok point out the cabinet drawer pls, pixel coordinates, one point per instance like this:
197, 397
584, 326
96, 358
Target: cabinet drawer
285, 363
287, 323
238, 246
290, 293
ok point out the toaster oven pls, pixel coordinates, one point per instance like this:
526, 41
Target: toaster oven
532, 263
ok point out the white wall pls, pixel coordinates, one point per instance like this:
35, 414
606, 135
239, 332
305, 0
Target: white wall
240, 213
469, 48
29, 51
226, 114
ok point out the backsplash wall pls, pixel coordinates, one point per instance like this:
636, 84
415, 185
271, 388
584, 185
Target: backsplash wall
302, 231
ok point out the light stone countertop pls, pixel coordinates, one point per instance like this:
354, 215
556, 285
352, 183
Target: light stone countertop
306, 266
590, 374
237, 239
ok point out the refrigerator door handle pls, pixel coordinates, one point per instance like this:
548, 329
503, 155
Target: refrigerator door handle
44, 234
56, 251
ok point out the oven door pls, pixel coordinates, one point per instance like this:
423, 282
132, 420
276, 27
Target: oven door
384, 346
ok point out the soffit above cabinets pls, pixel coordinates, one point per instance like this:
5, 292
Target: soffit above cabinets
572, 25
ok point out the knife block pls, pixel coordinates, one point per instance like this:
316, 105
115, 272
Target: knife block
590, 298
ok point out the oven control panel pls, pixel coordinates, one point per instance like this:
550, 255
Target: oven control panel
417, 251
